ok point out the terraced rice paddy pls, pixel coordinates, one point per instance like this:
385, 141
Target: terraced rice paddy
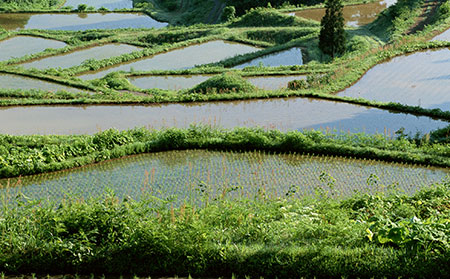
19, 46
108, 4
354, 15
77, 22
288, 57
420, 79
195, 174
282, 114
8, 81
185, 82
78, 57
188, 57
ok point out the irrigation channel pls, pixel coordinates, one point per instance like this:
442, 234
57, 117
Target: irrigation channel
186, 174
194, 175
354, 15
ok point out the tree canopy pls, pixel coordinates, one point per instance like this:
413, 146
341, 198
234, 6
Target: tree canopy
332, 35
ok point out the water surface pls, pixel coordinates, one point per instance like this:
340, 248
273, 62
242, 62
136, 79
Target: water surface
19, 46
420, 79
78, 57
288, 57
282, 114
444, 36
77, 22
8, 81
109, 4
181, 58
354, 15
185, 174
188, 81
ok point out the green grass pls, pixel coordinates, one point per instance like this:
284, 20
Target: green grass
365, 236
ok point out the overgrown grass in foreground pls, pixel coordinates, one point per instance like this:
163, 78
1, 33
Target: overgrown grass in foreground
23, 155
360, 237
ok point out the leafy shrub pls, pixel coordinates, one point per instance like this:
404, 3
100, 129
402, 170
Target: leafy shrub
261, 17
224, 83
172, 37
115, 81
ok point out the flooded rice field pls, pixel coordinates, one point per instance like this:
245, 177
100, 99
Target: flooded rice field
444, 36
78, 22
354, 15
282, 114
185, 81
419, 79
8, 81
184, 175
181, 58
19, 46
78, 57
108, 4
288, 57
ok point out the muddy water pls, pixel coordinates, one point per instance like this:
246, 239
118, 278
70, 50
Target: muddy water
24, 45
419, 79
282, 114
78, 21
354, 15
18, 82
187, 57
444, 36
78, 57
179, 173
109, 4
185, 82
284, 58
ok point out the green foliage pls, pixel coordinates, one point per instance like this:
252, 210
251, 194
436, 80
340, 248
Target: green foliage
277, 36
228, 14
12, 5
171, 37
370, 236
260, 17
332, 37
82, 7
115, 80
225, 83
242, 6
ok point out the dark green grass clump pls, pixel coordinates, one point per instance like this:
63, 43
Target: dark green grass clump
224, 83
361, 237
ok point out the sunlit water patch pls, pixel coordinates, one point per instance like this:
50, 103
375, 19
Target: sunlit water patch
19, 46
444, 36
282, 114
288, 57
420, 79
75, 22
108, 4
182, 58
78, 57
185, 81
196, 175
8, 81
354, 15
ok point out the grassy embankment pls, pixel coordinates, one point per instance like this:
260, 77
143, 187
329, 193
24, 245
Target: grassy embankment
365, 236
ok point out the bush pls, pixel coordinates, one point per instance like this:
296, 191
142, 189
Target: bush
224, 83
261, 17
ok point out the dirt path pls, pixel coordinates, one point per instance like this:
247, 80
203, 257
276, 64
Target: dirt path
216, 12
429, 8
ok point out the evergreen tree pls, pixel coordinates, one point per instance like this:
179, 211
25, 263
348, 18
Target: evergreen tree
332, 35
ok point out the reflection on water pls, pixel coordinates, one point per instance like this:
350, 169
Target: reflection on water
78, 57
288, 57
24, 45
109, 4
354, 15
282, 114
179, 173
78, 21
182, 58
444, 36
184, 82
18, 82
420, 79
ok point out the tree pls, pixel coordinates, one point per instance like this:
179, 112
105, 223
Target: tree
332, 35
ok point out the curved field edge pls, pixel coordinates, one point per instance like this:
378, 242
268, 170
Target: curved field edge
26, 155
364, 236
